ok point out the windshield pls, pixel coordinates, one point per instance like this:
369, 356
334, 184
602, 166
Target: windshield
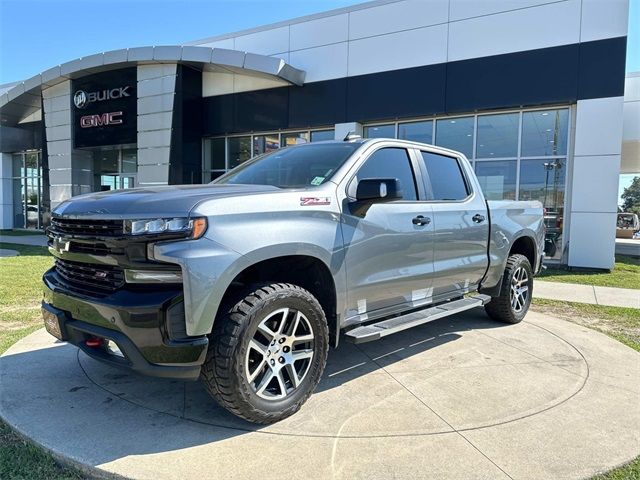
293, 167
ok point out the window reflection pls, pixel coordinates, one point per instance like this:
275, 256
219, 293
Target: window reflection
497, 179
497, 135
265, 143
545, 133
456, 134
380, 131
289, 139
239, 150
322, 135
416, 131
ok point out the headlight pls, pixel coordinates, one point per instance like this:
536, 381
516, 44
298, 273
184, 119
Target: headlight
193, 228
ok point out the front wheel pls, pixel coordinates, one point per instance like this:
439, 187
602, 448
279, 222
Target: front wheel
267, 353
515, 295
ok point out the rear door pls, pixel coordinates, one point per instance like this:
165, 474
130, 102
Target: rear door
388, 253
460, 221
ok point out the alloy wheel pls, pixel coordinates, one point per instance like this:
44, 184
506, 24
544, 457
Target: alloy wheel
279, 354
519, 289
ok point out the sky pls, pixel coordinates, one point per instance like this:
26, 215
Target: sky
38, 34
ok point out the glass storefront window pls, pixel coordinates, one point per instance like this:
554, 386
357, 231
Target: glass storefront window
497, 179
322, 135
27, 186
265, 143
129, 160
115, 168
380, 131
239, 150
543, 180
545, 133
497, 135
289, 139
416, 131
456, 134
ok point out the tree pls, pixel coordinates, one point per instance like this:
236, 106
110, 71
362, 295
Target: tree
631, 197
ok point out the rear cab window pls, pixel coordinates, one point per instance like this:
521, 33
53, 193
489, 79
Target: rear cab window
445, 179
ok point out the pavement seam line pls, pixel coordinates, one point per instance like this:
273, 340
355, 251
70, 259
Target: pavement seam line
439, 416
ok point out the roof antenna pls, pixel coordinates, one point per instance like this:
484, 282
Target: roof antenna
351, 136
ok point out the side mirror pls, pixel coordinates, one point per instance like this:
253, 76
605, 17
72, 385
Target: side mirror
378, 190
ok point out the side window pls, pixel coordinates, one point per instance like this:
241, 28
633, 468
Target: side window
445, 174
391, 163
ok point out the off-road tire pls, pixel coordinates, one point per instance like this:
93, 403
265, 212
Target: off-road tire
500, 308
223, 372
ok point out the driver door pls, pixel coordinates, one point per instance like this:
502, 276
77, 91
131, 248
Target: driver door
388, 254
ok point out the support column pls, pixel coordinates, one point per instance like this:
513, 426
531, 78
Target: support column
70, 170
156, 91
594, 187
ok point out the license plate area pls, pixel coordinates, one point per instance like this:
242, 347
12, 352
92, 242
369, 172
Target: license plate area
54, 321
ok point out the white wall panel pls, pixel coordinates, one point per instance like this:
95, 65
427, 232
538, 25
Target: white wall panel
604, 19
599, 126
216, 83
227, 43
322, 63
592, 241
461, 9
424, 46
267, 42
527, 29
246, 83
595, 184
321, 31
397, 16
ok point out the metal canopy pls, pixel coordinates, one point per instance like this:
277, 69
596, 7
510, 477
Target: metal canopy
24, 98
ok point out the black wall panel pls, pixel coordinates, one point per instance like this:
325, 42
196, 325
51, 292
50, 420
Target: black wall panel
525, 78
602, 68
396, 94
318, 103
560, 74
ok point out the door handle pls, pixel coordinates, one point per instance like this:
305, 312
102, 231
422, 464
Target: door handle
421, 220
478, 218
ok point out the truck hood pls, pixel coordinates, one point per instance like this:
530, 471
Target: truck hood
165, 201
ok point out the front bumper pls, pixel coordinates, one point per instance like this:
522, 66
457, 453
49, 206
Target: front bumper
147, 325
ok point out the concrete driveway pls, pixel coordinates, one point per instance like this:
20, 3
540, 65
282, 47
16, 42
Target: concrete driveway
462, 397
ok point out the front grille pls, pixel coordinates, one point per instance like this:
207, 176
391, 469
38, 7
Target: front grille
90, 227
87, 277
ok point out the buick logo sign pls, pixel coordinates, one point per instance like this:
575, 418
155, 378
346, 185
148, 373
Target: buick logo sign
81, 98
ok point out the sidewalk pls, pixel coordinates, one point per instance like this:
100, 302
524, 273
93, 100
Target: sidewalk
572, 292
32, 240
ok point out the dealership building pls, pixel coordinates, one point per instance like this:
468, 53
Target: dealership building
531, 91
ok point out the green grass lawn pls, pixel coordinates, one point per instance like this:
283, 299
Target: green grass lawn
20, 296
626, 274
20, 233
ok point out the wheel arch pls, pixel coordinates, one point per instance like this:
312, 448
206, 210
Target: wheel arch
304, 270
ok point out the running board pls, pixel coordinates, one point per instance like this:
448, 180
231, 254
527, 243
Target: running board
375, 331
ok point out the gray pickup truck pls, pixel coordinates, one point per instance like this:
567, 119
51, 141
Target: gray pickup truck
246, 282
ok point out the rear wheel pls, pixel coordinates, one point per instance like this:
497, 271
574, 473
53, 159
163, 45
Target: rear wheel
514, 300
267, 353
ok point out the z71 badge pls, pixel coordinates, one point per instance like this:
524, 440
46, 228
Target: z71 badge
308, 201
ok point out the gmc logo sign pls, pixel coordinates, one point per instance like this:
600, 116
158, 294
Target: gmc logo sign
101, 120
